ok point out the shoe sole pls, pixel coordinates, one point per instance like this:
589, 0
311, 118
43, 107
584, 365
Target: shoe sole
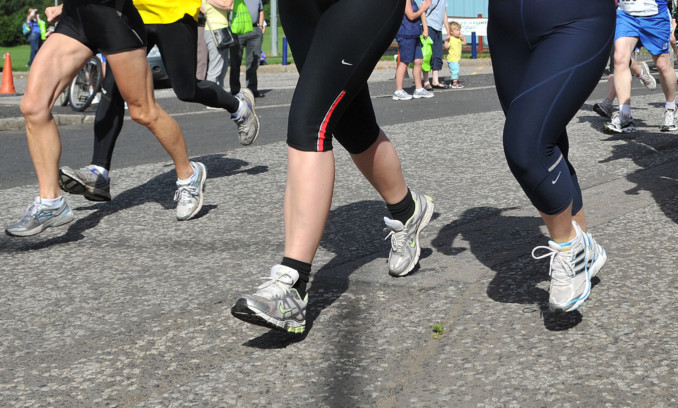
256, 119
70, 184
401, 99
593, 271
668, 129
201, 195
242, 311
619, 131
56, 222
427, 218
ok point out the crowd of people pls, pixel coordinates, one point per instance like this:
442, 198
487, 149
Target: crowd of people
547, 58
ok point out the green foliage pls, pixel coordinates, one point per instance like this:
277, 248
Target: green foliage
438, 330
13, 14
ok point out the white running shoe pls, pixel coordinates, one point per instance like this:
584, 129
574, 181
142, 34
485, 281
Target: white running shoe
669, 121
422, 93
401, 95
646, 78
572, 268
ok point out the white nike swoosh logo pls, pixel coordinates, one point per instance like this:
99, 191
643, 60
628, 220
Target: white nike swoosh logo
345, 63
557, 177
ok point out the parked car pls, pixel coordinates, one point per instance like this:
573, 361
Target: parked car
157, 67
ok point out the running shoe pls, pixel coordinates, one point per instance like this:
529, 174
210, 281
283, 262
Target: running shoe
248, 95
421, 93
405, 246
248, 122
190, 196
87, 181
401, 95
646, 78
620, 124
456, 85
572, 268
669, 121
275, 304
604, 108
38, 217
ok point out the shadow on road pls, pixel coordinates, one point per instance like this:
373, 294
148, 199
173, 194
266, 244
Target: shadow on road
159, 189
503, 244
354, 233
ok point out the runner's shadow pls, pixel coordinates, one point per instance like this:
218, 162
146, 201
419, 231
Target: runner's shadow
504, 244
354, 233
155, 190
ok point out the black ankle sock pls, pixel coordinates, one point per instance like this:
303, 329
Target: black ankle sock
304, 270
404, 210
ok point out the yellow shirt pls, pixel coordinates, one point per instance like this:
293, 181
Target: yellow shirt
454, 53
166, 11
217, 18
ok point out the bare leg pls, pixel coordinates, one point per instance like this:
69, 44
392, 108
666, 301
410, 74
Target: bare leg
59, 59
667, 74
622, 73
416, 73
560, 225
135, 83
401, 70
308, 195
381, 167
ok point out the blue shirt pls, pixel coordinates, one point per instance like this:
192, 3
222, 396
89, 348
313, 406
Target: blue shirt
436, 14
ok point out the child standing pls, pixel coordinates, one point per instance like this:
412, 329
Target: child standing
453, 47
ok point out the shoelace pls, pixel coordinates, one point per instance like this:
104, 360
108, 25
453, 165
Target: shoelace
397, 238
31, 210
559, 263
185, 193
275, 287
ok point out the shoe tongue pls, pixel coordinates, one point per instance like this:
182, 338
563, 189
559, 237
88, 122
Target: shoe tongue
395, 225
285, 274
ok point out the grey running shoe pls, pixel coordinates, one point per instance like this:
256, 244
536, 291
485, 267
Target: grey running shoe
405, 247
39, 217
604, 108
620, 124
276, 304
401, 95
669, 121
572, 268
248, 123
190, 196
646, 78
87, 181
247, 94
422, 93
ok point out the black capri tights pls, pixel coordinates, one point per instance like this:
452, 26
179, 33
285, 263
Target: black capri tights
336, 45
547, 57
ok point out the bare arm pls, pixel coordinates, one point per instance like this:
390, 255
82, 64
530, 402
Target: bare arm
413, 15
53, 13
423, 24
447, 26
222, 4
261, 21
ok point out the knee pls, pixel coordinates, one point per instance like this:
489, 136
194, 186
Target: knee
663, 63
144, 115
34, 109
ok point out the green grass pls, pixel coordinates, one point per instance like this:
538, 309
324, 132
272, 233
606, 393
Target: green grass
266, 47
20, 55
438, 330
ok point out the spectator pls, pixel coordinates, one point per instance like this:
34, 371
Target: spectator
409, 48
37, 34
216, 18
436, 18
453, 47
250, 42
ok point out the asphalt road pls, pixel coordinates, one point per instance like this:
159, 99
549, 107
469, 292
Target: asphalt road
127, 307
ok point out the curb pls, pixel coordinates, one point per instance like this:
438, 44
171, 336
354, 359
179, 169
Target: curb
19, 123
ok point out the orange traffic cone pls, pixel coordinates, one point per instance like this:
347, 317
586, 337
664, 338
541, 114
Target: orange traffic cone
7, 78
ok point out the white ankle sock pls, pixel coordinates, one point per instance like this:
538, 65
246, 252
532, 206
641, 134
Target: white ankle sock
50, 202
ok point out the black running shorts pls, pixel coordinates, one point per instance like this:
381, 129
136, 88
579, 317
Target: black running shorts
108, 27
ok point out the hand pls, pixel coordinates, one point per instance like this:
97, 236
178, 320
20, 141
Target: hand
53, 13
425, 5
